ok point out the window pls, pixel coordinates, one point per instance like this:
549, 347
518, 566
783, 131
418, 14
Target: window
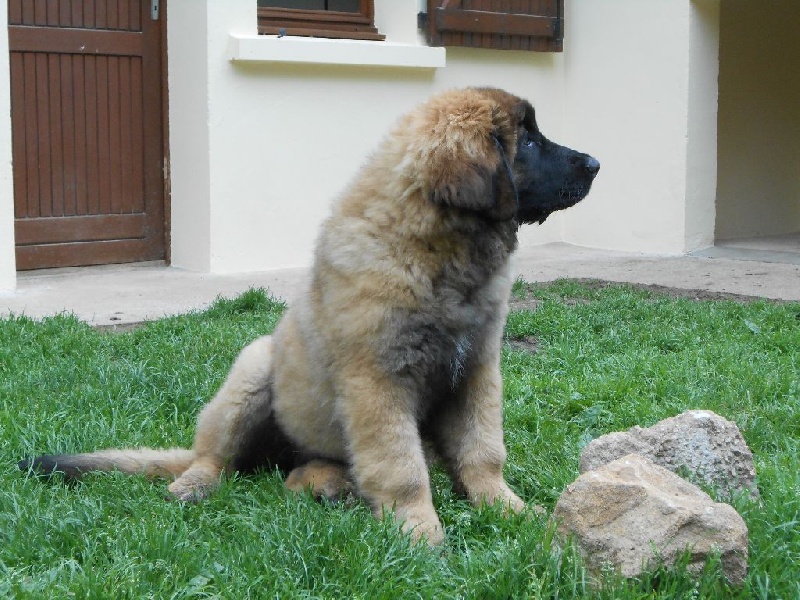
353, 19
536, 25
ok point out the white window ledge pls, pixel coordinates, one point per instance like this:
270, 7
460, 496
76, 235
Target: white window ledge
321, 51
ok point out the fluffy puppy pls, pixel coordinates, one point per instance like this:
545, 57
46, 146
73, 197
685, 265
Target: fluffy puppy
397, 340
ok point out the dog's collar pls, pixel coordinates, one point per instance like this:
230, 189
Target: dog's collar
507, 165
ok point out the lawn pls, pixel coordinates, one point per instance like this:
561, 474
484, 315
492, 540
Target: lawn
581, 360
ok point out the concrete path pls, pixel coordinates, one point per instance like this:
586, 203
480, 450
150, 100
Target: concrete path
125, 294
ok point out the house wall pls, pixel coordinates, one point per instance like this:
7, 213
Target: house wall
759, 119
7, 260
284, 138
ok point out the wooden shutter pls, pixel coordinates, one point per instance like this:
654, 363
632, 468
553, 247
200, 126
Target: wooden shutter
536, 25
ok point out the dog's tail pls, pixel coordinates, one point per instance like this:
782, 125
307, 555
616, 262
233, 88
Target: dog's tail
168, 464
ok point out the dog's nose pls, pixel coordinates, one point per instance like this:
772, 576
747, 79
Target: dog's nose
592, 165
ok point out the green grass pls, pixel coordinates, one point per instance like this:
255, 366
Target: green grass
607, 358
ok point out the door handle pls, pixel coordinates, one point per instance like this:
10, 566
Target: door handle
154, 10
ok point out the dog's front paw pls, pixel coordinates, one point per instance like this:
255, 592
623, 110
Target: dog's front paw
509, 500
497, 493
422, 524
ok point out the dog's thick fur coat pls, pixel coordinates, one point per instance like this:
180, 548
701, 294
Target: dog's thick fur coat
397, 340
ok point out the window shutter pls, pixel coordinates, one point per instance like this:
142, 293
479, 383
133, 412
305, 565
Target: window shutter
536, 25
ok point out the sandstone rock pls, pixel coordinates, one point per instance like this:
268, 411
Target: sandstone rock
631, 513
709, 446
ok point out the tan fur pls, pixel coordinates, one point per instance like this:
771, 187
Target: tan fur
323, 479
340, 377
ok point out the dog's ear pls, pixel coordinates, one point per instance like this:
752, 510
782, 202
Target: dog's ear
471, 186
471, 167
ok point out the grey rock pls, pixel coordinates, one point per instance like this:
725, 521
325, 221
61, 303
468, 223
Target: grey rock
710, 447
632, 514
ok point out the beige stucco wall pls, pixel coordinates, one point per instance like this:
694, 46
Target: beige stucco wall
699, 204
628, 69
7, 261
190, 152
759, 119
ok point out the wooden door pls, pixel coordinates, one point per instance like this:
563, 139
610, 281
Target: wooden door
87, 132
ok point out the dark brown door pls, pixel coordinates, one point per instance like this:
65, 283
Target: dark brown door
87, 133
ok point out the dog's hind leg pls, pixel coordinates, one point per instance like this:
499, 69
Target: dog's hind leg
233, 429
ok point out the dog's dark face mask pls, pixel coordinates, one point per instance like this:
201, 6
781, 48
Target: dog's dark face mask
547, 177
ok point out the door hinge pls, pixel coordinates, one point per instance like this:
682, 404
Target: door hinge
154, 10
167, 178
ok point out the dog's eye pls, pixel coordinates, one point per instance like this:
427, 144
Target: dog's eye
530, 142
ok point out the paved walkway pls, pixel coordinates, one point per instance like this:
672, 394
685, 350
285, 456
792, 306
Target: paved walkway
125, 294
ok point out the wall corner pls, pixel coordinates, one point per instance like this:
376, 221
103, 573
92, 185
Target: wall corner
187, 58
701, 148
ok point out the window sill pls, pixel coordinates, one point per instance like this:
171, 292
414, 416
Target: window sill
322, 51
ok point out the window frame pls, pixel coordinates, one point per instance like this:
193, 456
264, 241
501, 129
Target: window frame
321, 23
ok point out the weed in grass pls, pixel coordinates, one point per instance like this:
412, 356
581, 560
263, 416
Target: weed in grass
601, 358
